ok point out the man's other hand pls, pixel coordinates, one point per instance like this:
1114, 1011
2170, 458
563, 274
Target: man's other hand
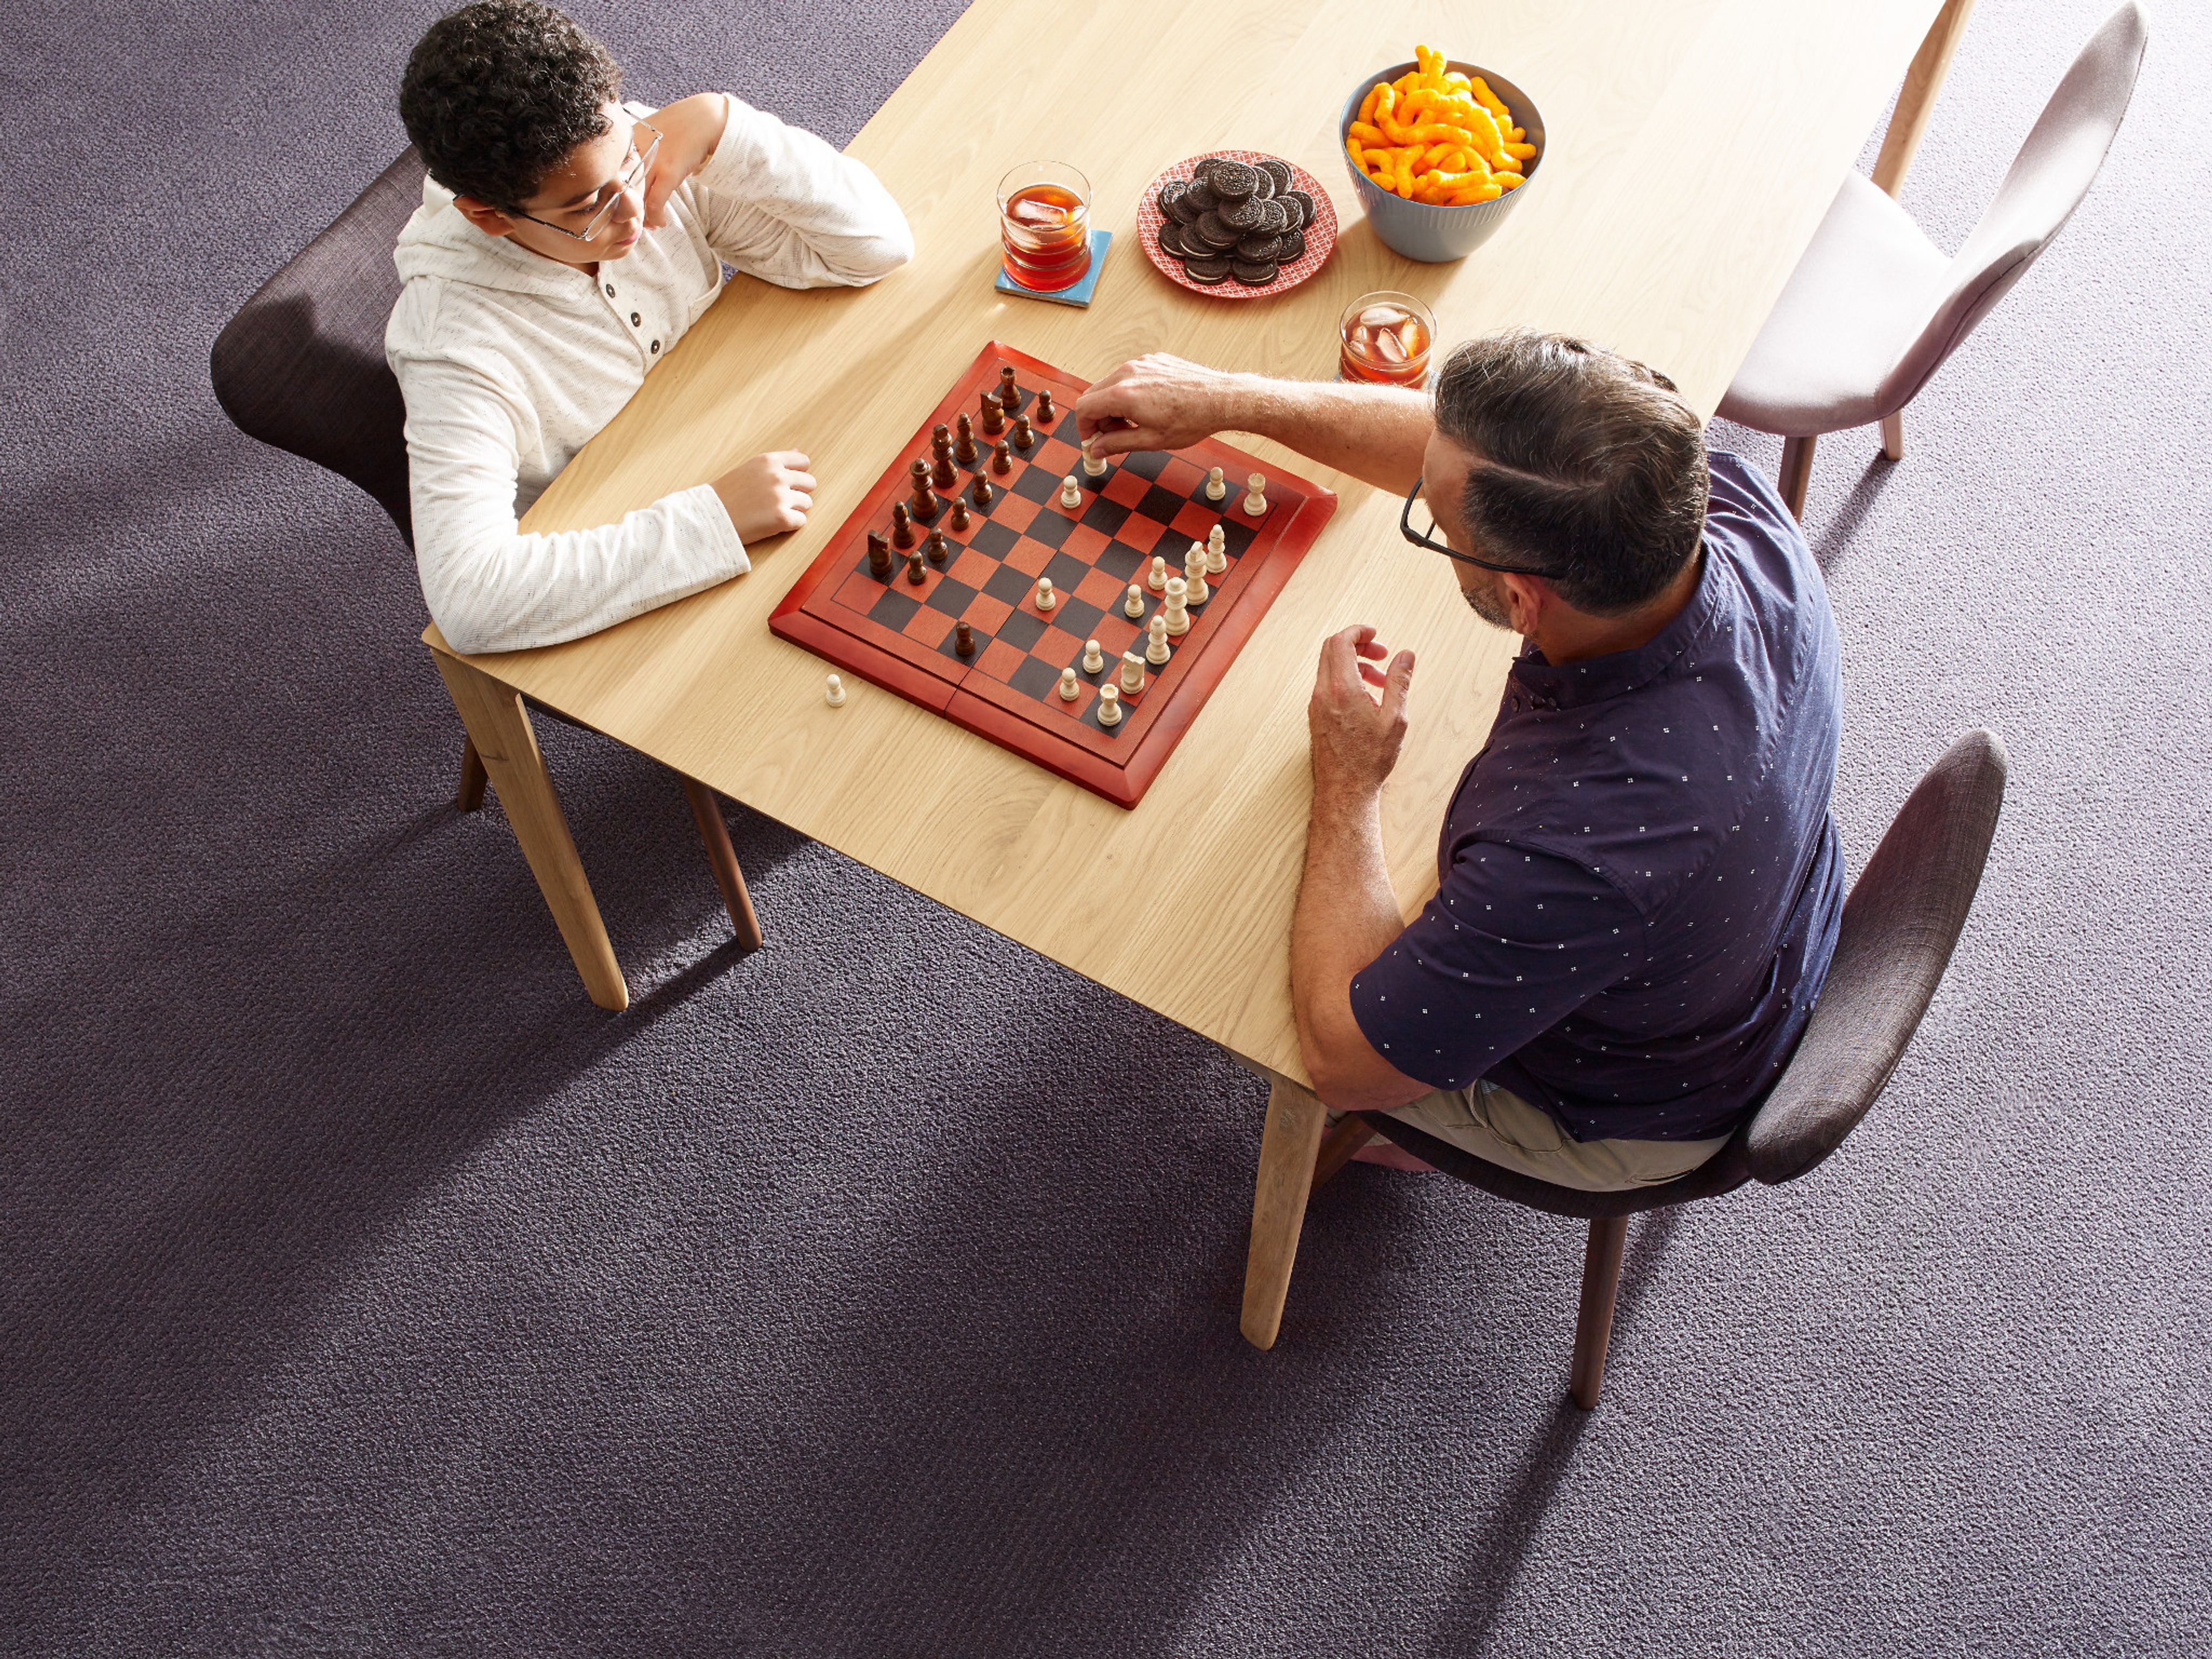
768, 495
1356, 734
1157, 402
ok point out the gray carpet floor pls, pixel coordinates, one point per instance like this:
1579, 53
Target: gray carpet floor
364, 1291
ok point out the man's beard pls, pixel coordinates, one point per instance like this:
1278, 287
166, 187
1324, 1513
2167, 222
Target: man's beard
1485, 603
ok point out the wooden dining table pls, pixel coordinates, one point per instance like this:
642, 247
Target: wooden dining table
1692, 146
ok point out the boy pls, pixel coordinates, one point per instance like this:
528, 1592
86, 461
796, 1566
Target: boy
565, 243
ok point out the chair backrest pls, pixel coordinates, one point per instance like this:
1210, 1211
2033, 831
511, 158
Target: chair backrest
301, 366
1898, 927
2048, 180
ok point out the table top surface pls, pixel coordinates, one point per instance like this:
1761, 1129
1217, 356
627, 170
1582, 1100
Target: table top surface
1692, 149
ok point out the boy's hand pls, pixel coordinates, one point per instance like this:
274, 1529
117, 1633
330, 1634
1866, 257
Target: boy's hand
768, 495
1157, 401
689, 130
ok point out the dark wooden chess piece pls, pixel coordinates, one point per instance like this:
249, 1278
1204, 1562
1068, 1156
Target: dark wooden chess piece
939, 549
963, 639
1046, 413
880, 557
1010, 396
940, 470
1002, 459
913, 570
980, 490
994, 415
963, 444
1024, 437
902, 525
961, 518
925, 503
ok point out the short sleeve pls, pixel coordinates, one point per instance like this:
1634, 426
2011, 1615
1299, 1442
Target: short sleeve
1511, 946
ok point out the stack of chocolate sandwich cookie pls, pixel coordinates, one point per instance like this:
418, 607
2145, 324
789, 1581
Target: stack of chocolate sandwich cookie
1235, 219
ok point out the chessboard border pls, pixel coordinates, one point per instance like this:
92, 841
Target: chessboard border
918, 675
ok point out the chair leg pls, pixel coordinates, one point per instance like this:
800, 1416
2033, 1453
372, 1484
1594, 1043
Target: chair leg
1337, 1148
723, 858
1288, 1146
1796, 473
470, 796
1893, 436
1593, 1321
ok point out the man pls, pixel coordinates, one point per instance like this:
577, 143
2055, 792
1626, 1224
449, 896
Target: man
565, 243
1639, 882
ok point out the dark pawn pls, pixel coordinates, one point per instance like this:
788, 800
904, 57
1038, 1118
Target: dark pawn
1045, 413
1002, 460
913, 570
879, 555
994, 415
963, 639
1010, 396
925, 504
941, 473
961, 518
939, 549
981, 490
963, 446
902, 525
1024, 436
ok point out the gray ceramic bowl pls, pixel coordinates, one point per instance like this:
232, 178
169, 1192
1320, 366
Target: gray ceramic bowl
1434, 235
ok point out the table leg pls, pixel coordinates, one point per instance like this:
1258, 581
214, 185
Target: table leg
499, 728
1288, 1146
723, 858
1915, 102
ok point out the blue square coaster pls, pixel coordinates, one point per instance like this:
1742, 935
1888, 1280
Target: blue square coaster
1078, 295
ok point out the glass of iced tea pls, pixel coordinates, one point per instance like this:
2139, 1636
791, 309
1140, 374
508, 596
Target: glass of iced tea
1044, 223
1385, 339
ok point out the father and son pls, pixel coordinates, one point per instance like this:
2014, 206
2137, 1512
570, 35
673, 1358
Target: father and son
1640, 882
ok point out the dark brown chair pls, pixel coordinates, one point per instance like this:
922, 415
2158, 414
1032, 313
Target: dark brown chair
1898, 927
301, 367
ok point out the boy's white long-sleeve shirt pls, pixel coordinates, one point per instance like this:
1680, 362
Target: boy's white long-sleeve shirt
510, 363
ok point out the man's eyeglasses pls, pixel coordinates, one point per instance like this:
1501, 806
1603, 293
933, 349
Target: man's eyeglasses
1428, 537
632, 182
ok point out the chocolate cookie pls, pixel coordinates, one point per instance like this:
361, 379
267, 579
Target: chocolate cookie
1277, 217
1171, 239
1260, 250
1210, 230
1200, 196
1303, 202
1182, 210
1232, 181
1279, 172
1248, 215
1254, 275
1169, 192
1294, 246
1266, 182
1208, 270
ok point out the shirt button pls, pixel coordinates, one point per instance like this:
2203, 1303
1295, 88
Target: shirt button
656, 347
634, 319
610, 290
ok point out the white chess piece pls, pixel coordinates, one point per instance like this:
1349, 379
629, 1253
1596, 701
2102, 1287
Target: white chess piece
1216, 552
1194, 575
1157, 580
1133, 671
1071, 493
834, 696
1109, 705
1135, 604
1093, 658
1094, 466
1070, 687
1256, 499
1178, 618
1215, 488
1156, 647
1046, 598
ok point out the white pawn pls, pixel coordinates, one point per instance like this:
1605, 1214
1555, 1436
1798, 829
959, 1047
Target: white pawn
835, 694
1093, 658
1109, 705
1070, 687
1256, 499
1216, 552
1194, 575
1046, 598
1071, 493
1178, 618
1215, 488
1156, 649
1157, 580
1133, 671
1135, 604
1093, 466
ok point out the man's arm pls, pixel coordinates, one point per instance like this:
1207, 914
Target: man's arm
1375, 433
1346, 913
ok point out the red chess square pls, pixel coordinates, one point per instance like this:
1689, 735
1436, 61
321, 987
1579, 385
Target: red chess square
1060, 647
1085, 695
985, 613
857, 592
1141, 533
1060, 458
973, 568
1116, 634
1029, 557
1085, 544
1098, 588
1125, 487
1196, 521
1000, 660
1181, 476
928, 627
1015, 512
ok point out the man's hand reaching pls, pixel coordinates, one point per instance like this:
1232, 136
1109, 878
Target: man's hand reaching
1159, 402
768, 495
1355, 735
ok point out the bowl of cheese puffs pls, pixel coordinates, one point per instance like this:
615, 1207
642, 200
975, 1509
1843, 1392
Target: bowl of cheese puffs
1439, 151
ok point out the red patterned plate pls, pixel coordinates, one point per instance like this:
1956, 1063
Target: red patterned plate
1320, 234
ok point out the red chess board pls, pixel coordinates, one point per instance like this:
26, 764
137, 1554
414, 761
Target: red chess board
901, 635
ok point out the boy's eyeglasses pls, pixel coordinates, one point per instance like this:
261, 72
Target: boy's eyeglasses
631, 182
